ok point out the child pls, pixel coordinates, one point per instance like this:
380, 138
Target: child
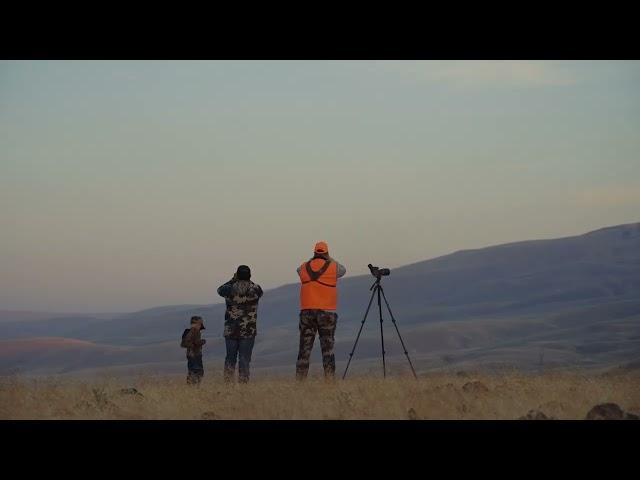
193, 343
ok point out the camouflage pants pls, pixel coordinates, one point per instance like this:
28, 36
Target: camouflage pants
323, 322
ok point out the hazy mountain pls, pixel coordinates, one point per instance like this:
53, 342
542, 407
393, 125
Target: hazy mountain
23, 315
566, 301
26, 316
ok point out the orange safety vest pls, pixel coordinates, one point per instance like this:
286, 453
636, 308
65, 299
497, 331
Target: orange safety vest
318, 289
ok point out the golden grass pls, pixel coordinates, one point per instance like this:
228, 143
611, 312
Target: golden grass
434, 396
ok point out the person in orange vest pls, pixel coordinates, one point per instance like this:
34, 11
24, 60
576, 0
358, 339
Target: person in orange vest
318, 304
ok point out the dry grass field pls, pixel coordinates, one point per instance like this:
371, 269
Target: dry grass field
561, 395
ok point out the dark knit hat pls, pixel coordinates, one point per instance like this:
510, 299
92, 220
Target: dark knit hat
243, 272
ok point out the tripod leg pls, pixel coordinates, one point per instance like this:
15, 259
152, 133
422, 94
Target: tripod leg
384, 366
397, 330
358, 337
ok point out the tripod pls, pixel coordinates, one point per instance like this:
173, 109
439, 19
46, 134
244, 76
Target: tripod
376, 288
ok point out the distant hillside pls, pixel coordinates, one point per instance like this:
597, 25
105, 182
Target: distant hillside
559, 302
22, 315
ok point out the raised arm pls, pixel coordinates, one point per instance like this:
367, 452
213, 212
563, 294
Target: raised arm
341, 270
225, 290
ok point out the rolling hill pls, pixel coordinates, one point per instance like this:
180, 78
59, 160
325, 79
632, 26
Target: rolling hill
571, 301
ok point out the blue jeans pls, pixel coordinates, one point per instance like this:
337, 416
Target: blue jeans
195, 369
242, 348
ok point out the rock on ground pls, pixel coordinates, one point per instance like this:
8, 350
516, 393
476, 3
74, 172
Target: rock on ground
609, 411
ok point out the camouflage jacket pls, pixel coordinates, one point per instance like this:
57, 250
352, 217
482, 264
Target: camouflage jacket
241, 297
193, 342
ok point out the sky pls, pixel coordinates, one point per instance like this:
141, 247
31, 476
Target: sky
126, 185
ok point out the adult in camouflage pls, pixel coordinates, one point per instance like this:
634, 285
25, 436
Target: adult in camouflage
240, 322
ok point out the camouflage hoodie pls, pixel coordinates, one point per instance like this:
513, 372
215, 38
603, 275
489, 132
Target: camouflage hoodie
241, 297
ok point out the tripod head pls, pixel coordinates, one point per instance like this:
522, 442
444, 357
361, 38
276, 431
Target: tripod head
379, 272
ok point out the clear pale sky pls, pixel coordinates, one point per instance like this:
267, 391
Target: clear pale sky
127, 185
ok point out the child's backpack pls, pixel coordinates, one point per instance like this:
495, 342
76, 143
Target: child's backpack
183, 341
